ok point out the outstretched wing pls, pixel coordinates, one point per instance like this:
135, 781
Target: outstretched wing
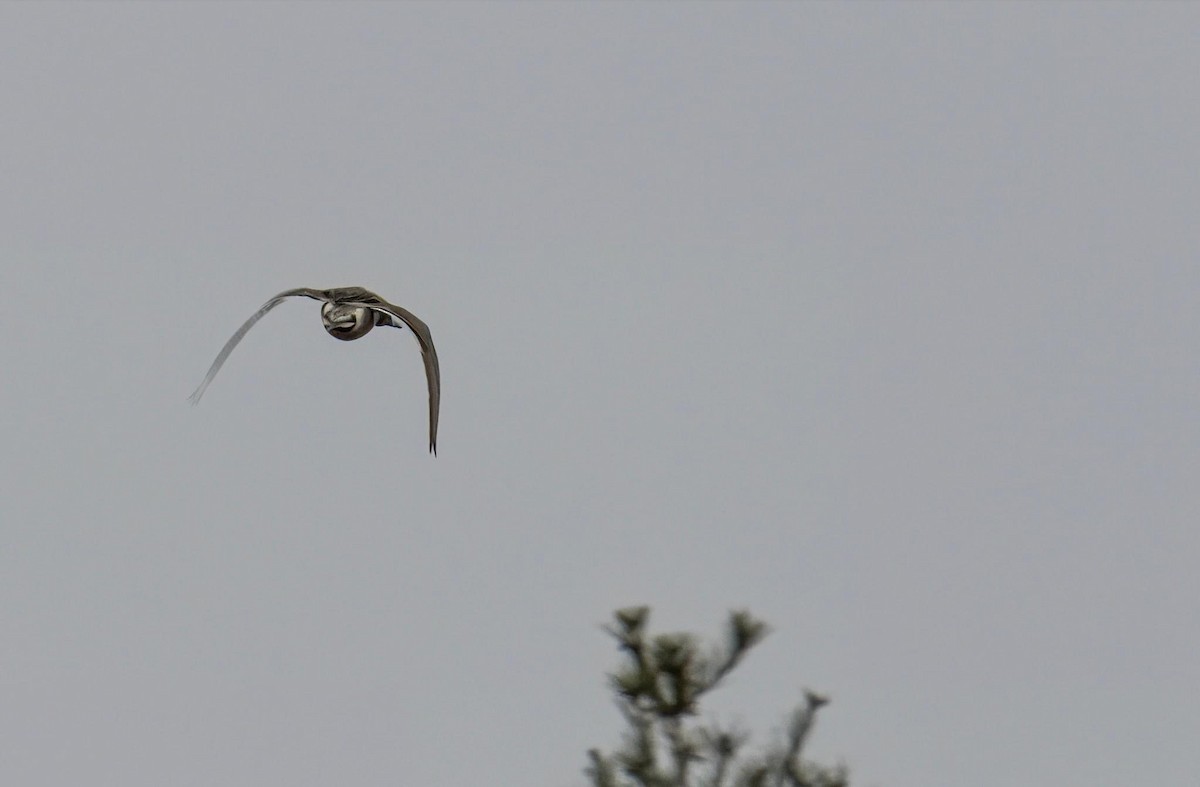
433, 374
237, 337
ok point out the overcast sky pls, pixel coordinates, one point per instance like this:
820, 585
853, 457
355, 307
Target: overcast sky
877, 320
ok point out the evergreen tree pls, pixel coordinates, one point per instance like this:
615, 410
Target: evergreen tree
658, 690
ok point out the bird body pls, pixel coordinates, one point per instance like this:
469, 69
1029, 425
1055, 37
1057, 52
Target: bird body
347, 322
349, 313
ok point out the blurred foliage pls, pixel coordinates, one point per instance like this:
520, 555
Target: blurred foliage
658, 690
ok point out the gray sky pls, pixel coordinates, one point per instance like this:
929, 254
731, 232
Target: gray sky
879, 320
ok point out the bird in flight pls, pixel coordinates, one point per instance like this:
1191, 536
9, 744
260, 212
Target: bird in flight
349, 313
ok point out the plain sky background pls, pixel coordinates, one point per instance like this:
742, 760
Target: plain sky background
877, 320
